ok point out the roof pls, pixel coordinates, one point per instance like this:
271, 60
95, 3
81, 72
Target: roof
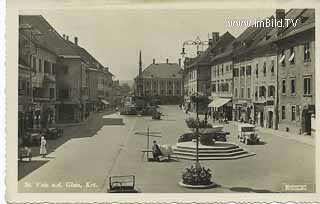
163, 70
48, 36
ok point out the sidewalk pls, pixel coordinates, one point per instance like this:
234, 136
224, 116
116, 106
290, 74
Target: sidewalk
306, 139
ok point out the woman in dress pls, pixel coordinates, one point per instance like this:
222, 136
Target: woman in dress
43, 150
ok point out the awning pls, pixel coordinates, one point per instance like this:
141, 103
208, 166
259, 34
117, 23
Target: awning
105, 102
216, 103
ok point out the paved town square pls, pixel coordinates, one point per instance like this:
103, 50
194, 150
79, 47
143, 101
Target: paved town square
83, 164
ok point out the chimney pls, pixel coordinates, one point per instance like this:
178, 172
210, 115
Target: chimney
153, 61
280, 15
67, 37
167, 61
64, 36
215, 37
76, 40
179, 62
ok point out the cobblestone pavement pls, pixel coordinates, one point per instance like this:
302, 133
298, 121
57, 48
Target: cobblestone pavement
116, 150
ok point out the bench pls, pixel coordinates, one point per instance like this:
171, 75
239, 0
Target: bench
161, 157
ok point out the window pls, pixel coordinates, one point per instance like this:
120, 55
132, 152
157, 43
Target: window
291, 58
307, 86
236, 92
257, 70
235, 72
293, 86
242, 92
66, 69
213, 87
242, 71
293, 112
53, 69
264, 68
227, 68
51, 93
46, 67
248, 70
248, 93
34, 64
284, 86
40, 65
170, 92
271, 90
307, 52
283, 112
256, 93
272, 67
218, 71
222, 70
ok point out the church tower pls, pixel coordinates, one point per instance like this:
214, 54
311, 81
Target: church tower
139, 79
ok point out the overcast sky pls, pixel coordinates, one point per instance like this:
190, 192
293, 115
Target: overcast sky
115, 37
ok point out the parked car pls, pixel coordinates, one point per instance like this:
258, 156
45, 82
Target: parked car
53, 133
247, 134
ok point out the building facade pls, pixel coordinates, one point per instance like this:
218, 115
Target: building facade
162, 80
296, 54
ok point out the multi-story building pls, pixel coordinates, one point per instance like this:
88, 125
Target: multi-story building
25, 104
42, 61
296, 76
163, 80
244, 62
222, 79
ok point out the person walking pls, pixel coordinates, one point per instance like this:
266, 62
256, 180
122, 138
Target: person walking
43, 149
156, 151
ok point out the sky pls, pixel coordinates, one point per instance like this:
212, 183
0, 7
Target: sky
114, 37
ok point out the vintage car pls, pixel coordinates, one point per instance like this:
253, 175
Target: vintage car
205, 138
247, 134
53, 133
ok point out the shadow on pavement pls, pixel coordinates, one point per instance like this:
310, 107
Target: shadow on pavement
113, 121
25, 167
89, 129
